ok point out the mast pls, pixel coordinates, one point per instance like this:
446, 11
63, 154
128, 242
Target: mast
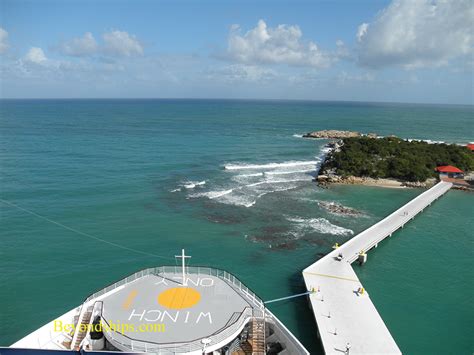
183, 257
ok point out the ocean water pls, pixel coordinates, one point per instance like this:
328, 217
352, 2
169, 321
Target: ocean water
230, 181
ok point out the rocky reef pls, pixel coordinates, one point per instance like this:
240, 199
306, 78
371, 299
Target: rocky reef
335, 134
337, 208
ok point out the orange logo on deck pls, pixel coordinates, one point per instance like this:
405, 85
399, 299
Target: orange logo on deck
179, 298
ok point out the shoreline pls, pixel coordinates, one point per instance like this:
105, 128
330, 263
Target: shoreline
326, 181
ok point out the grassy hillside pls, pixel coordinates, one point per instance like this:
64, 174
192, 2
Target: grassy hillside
395, 158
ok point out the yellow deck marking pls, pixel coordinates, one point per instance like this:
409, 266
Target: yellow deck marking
332, 276
128, 302
179, 297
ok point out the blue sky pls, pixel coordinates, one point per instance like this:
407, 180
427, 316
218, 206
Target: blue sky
398, 50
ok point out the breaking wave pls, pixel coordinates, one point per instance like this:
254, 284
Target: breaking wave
269, 165
188, 185
251, 175
288, 172
213, 194
193, 184
320, 225
247, 195
242, 184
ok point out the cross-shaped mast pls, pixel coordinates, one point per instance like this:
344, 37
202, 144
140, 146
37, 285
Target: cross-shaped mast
183, 258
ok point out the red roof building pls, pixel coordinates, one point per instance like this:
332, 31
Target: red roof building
470, 146
448, 169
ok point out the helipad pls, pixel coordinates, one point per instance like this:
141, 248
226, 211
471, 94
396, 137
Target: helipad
158, 310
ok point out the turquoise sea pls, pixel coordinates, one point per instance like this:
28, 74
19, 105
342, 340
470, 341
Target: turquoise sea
230, 181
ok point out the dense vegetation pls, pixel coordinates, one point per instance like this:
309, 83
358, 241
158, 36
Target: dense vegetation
395, 158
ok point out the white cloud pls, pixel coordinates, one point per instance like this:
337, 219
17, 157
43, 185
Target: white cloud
344, 77
280, 45
417, 33
36, 55
242, 73
121, 43
81, 46
362, 31
3, 40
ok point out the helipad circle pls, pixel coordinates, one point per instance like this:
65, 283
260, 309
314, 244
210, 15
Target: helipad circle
179, 298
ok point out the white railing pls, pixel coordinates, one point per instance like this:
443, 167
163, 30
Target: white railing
173, 348
196, 270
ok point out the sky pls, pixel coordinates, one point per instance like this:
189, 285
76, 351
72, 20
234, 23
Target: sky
365, 50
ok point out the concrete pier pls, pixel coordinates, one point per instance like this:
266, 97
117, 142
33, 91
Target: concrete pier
347, 320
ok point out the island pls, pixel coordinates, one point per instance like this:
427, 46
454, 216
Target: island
390, 161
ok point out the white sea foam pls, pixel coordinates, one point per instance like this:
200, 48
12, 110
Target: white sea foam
176, 190
429, 141
270, 182
249, 182
213, 194
320, 225
193, 184
284, 172
296, 135
269, 165
250, 200
247, 195
250, 175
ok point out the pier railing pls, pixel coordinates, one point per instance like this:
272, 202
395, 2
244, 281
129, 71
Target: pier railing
433, 194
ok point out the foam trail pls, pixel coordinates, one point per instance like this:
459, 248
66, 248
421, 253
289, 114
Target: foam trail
269, 165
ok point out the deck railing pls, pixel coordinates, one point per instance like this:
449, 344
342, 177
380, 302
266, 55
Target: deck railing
178, 348
230, 279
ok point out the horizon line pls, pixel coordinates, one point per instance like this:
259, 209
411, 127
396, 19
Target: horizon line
232, 99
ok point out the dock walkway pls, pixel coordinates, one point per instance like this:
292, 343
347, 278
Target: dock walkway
347, 320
